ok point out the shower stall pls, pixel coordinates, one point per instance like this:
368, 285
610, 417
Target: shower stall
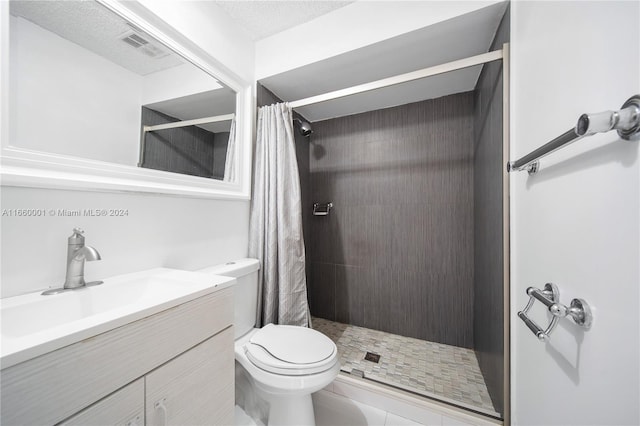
405, 218
405, 273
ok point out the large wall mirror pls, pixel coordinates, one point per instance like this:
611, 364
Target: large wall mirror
103, 90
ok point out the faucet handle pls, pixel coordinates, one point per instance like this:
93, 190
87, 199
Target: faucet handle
77, 237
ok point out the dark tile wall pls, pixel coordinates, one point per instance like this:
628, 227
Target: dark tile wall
186, 150
220, 143
396, 252
488, 313
265, 96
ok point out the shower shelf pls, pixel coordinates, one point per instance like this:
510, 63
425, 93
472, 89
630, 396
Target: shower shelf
322, 209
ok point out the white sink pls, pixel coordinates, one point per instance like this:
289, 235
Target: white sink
33, 324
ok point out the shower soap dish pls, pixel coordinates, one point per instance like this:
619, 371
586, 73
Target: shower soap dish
322, 209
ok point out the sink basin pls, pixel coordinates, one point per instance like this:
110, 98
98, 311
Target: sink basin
33, 324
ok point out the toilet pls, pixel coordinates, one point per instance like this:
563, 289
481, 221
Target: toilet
278, 367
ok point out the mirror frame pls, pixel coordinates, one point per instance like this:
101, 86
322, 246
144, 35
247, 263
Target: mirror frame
28, 168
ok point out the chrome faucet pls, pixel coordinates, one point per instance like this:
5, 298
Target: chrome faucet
77, 254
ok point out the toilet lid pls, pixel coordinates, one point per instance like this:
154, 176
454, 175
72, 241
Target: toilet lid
291, 350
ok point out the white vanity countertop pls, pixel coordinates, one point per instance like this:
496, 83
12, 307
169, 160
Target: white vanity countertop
33, 324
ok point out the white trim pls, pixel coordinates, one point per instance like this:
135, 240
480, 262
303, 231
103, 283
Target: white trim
184, 123
402, 78
27, 168
402, 403
4, 72
43, 170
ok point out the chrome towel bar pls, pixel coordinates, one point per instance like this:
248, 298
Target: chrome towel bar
579, 310
626, 121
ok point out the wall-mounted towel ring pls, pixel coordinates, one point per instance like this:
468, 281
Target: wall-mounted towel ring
322, 209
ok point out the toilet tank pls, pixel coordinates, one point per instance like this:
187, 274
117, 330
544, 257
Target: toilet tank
245, 309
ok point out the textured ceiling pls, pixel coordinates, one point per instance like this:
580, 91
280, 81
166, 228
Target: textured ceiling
92, 26
262, 18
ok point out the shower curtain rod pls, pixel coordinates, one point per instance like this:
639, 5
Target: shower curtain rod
185, 123
402, 78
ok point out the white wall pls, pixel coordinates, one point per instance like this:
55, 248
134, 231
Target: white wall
210, 27
68, 100
184, 233
351, 27
176, 82
576, 223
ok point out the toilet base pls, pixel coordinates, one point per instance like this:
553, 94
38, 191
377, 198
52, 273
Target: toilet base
291, 410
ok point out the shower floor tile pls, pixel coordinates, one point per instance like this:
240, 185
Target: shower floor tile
435, 370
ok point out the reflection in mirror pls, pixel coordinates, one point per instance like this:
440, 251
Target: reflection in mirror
180, 135
86, 83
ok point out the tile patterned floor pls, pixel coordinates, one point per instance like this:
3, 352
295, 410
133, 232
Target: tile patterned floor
445, 372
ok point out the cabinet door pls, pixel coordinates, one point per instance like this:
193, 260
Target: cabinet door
195, 388
124, 407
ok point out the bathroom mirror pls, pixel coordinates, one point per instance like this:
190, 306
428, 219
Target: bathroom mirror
111, 94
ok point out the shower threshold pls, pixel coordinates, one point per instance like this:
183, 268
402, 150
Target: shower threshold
433, 370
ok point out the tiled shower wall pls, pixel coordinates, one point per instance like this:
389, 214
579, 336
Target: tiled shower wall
188, 150
396, 252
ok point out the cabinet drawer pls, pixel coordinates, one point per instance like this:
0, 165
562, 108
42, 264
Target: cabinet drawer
124, 407
196, 388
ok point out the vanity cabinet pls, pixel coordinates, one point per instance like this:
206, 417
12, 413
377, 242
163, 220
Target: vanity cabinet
195, 387
174, 367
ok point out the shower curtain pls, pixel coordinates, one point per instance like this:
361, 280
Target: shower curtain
230, 163
275, 229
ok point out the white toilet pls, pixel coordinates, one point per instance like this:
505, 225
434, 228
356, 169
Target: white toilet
282, 364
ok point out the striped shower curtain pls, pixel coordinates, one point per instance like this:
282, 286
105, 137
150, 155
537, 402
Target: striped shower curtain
275, 230
230, 162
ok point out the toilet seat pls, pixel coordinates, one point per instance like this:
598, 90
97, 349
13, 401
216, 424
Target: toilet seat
291, 350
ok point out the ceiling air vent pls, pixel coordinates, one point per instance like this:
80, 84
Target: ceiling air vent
140, 43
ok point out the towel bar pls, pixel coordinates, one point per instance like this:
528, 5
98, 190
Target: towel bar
626, 121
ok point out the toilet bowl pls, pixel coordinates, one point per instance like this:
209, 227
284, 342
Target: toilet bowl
283, 364
286, 364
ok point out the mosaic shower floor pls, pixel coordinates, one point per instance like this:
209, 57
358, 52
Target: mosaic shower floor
448, 373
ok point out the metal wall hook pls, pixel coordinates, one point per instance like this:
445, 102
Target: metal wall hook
579, 310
